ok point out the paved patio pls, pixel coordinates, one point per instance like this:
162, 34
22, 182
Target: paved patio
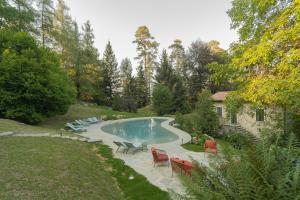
141, 162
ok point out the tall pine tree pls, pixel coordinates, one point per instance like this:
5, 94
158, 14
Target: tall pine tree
110, 73
90, 63
129, 86
45, 21
177, 56
62, 30
76, 68
126, 72
147, 53
142, 96
164, 71
19, 15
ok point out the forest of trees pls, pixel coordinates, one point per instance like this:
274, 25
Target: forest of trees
41, 42
87, 75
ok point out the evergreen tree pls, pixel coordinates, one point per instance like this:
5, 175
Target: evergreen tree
177, 56
110, 73
126, 72
7, 15
147, 53
18, 15
90, 52
165, 75
142, 96
162, 99
90, 63
62, 30
76, 68
180, 99
45, 21
129, 86
198, 57
164, 72
207, 120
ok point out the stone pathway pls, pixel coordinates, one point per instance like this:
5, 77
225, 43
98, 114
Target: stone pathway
78, 138
141, 162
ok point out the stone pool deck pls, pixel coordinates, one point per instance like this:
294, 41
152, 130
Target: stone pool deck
141, 162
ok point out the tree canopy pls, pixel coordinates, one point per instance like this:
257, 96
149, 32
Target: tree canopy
267, 59
32, 84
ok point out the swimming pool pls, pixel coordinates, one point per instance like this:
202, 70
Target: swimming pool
141, 130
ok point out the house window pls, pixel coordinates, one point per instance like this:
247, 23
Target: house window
219, 111
260, 115
233, 118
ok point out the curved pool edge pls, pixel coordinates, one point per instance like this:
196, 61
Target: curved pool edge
142, 162
183, 137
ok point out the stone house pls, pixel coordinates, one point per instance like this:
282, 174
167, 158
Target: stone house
247, 120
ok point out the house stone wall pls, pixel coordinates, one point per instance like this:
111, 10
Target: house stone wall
246, 118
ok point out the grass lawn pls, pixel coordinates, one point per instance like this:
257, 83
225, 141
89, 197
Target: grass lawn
137, 188
48, 168
10, 125
200, 148
193, 147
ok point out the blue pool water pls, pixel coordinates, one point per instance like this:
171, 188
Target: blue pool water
145, 130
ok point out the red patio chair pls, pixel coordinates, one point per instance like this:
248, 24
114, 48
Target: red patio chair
182, 166
210, 146
159, 156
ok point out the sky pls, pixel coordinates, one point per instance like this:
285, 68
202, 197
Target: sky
187, 20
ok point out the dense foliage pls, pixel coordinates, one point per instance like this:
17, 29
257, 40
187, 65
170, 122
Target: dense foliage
261, 171
205, 115
31, 83
162, 99
203, 120
266, 61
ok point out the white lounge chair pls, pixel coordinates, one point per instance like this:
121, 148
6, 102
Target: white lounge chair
82, 123
75, 128
92, 120
134, 148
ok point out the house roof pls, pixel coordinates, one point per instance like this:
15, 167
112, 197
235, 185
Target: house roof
220, 96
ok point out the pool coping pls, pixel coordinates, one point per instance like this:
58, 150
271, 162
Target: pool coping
183, 137
142, 162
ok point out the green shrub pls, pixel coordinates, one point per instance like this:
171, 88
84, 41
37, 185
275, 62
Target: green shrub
129, 104
189, 124
33, 86
162, 99
179, 118
203, 137
238, 140
186, 108
117, 103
